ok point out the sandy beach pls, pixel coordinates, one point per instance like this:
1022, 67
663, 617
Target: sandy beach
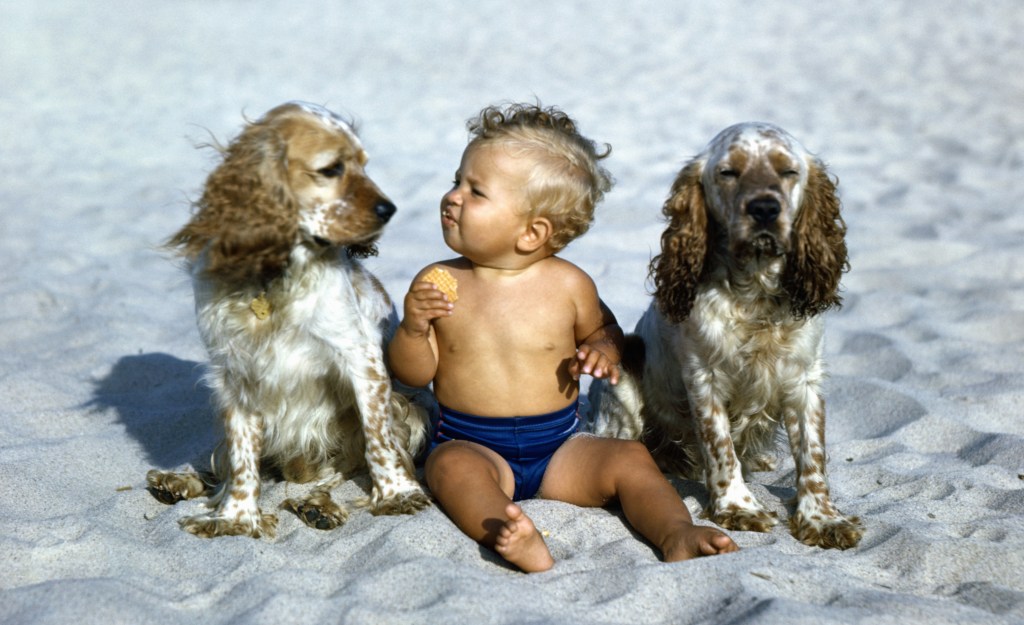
918, 108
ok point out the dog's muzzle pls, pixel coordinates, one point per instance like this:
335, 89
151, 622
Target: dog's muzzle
384, 210
764, 210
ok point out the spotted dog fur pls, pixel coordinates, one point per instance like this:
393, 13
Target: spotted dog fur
302, 390
730, 351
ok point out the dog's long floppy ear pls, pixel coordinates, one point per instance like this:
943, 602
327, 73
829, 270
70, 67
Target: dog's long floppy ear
246, 220
818, 256
677, 270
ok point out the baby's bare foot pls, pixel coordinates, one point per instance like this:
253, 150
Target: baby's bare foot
520, 543
693, 541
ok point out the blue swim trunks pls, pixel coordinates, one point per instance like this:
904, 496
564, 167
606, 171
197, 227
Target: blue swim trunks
526, 443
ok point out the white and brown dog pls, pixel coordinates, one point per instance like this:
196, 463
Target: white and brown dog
295, 326
731, 348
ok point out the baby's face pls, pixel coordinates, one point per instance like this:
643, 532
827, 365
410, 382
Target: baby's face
485, 212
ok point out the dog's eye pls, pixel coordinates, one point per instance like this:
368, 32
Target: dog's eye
729, 173
332, 171
790, 173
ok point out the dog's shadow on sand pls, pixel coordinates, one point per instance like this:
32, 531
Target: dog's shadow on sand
163, 404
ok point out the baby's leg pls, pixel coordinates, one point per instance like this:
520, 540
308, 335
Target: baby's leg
520, 543
474, 486
591, 471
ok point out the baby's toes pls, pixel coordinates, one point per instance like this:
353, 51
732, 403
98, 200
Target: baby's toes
720, 543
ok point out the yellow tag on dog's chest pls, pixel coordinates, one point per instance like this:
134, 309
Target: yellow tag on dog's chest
260, 306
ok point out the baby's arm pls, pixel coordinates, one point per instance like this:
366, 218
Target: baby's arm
599, 339
412, 352
600, 351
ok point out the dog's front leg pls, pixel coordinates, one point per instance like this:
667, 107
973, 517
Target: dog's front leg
237, 511
816, 521
732, 504
395, 489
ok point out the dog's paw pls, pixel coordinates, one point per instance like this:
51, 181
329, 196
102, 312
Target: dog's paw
761, 462
836, 532
170, 488
409, 502
735, 517
317, 510
212, 525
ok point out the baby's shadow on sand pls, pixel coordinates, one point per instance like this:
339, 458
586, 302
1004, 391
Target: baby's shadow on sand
164, 405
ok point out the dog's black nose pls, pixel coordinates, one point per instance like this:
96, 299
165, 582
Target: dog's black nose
764, 210
384, 210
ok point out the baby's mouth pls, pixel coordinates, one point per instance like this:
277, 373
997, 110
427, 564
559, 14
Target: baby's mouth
446, 216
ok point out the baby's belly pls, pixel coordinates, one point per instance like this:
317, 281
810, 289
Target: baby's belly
508, 389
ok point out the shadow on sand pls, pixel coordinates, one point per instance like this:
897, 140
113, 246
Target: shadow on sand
164, 405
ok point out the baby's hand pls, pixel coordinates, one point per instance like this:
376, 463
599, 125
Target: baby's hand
593, 361
423, 303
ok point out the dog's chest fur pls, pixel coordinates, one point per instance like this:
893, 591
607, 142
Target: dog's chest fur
293, 368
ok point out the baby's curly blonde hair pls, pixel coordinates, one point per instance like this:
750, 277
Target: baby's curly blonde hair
566, 180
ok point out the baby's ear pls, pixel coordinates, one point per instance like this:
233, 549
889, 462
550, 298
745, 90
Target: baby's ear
536, 235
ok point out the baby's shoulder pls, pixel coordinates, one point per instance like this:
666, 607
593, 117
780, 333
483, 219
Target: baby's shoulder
569, 276
451, 264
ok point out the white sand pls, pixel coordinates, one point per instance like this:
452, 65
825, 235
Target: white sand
916, 106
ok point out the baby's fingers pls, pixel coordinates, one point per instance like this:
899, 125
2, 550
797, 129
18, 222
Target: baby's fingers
587, 359
596, 363
427, 290
611, 372
428, 295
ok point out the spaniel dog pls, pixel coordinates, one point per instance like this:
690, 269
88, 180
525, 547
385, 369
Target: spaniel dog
731, 348
294, 326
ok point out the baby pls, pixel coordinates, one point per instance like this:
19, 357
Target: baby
526, 325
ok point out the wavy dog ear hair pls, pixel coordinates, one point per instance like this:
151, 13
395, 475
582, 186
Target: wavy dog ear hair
818, 256
685, 245
245, 223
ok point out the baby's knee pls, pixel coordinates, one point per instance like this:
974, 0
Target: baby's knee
633, 452
441, 460
453, 459
632, 457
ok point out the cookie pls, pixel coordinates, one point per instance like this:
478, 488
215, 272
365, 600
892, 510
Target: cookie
445, 282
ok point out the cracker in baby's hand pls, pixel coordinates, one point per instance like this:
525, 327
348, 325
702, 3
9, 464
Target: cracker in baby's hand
445, 282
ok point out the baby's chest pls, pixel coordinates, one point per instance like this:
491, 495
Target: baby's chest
512, 324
